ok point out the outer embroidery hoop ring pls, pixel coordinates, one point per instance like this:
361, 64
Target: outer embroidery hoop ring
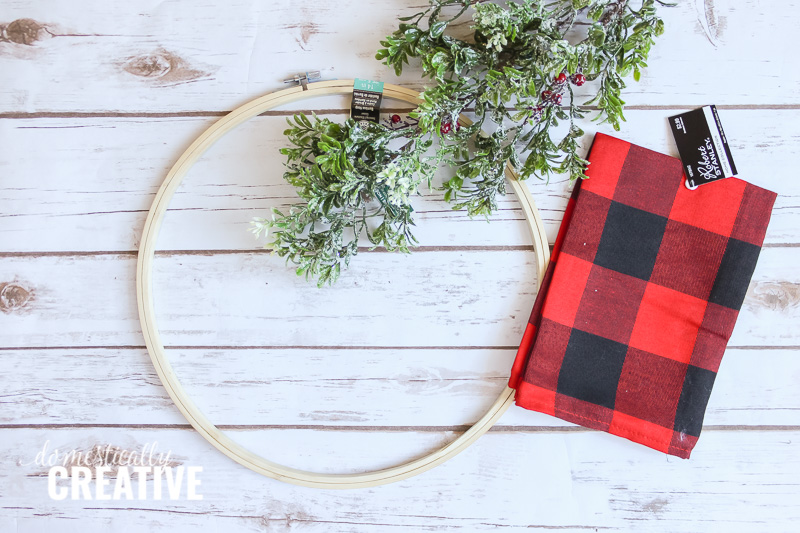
147, 316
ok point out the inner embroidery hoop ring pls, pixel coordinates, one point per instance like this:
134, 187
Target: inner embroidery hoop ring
147, 315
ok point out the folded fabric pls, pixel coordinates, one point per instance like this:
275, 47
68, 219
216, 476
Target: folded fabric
640, 298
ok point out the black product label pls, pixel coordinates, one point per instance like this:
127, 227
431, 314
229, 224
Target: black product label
702, 146
366, 105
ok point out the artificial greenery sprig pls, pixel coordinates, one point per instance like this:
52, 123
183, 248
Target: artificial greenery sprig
348, 174
515, 73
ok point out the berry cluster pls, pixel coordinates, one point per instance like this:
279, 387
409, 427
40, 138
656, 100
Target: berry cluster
447, 127
553, 97
549, 97
396, 122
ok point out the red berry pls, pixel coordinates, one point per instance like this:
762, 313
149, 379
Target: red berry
395, 119
557, 99
445, 129
458, 125
561, 78
547, 95
578, 79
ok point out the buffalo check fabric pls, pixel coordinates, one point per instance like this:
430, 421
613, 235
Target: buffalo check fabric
640, 298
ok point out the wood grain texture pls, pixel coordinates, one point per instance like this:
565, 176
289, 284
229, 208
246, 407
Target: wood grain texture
337, 387
98, 201
199, 57
98, 100
442, 298
550, 481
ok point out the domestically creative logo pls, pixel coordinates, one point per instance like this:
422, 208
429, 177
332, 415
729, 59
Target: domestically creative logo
112, 473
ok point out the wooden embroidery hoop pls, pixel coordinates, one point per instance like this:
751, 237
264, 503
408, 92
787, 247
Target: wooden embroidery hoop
147, 316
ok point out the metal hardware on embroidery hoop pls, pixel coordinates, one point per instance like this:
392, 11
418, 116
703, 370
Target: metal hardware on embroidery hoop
147, 315
304, 79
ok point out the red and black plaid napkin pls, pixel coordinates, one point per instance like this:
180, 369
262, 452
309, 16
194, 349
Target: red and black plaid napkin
640, 298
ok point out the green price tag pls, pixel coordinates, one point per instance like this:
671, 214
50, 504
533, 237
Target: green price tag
368, 85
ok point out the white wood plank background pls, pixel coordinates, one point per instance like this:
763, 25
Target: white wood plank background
98, 99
